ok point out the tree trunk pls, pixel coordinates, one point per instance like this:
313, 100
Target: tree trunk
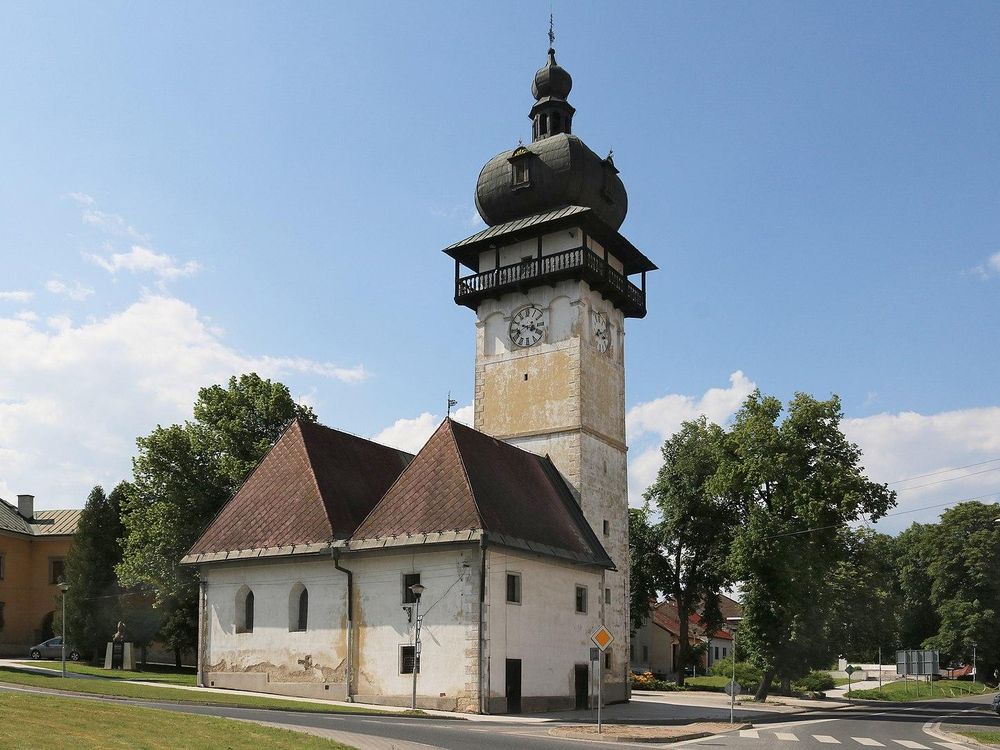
786, 685
177, 658
765, 685
684, 648
142, 655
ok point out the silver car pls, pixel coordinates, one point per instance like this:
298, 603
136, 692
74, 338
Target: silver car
52, 649
996, 703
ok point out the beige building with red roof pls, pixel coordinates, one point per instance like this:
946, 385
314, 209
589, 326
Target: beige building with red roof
33, 549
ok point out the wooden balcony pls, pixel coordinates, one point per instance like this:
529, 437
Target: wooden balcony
578, 263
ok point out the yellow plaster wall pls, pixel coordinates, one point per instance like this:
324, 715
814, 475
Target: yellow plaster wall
25, 589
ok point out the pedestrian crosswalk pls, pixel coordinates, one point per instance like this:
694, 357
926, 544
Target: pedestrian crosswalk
826, 739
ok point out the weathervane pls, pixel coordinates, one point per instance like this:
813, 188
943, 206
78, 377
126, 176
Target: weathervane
552, 33
451, 402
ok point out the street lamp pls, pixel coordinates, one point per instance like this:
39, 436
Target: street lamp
974, 662
732, 692
417, 590
64, 587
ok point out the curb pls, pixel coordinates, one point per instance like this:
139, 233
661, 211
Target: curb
642, 738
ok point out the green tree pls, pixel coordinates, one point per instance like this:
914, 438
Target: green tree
799, 485
965, 585
646, 572
867, 601
92, 607
914, 551
695, 528
183, 474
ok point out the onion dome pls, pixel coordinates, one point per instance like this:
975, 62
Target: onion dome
552, 80
557, 169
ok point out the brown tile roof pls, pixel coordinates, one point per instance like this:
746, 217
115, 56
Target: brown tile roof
43, 523
315, 485
665, 615
465, 480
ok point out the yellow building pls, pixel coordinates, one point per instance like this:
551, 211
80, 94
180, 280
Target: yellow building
33, 548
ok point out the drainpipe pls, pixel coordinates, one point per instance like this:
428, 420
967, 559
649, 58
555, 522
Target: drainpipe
484, 697
350, 616
202, 630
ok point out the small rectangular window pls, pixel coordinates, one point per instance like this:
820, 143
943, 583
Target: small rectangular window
57, 570
723, 652
607, 527
406, 654
520, 173
514, 588
607, 596
409, 579
581, 599
1, 567
645, 653
607, 660
716, 653
631, 652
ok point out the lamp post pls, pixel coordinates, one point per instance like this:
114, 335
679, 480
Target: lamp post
732, 693
417, 590
64, 587
973, 662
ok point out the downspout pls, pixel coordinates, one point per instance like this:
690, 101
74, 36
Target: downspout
202, 630
350, 617
484, 698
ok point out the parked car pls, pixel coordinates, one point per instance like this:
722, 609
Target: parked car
996, 703
52, 649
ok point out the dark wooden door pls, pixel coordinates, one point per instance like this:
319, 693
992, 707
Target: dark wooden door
513, 686
582, 674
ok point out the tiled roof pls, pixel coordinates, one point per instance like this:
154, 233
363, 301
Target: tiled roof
44, 522
665, 615
465, 480
314, 485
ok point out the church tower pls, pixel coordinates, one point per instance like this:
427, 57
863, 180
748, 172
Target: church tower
550, 283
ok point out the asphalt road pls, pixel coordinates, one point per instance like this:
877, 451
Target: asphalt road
862, 726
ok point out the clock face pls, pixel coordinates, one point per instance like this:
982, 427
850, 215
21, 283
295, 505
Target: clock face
527, 326
602, 332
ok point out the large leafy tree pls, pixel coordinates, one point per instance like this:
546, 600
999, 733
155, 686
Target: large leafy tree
183, 474
867, 599
646, 569
92, 606
799, 483
965, 585
914, 551
695, 528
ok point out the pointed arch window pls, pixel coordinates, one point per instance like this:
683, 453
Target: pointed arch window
244, 610
298, 608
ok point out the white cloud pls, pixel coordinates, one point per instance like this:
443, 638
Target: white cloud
411, 434
908, 444
988, 269
16, 295
662, 417
73, 396
112, 224
77, 292
83, 199
141, 259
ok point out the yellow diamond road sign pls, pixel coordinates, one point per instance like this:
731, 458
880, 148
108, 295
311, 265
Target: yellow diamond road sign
602, 638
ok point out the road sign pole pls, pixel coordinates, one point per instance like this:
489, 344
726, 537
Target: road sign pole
600, 680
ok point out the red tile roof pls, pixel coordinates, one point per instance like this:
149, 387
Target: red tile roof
465, 480
316, 484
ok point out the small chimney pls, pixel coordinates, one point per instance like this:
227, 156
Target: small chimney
26, 505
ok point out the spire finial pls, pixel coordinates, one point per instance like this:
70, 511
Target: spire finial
451, 402
552, 31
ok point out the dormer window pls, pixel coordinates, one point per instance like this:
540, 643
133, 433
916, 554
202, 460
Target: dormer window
520, 174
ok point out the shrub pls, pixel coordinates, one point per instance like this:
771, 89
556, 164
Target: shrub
646, 681
815, 682
746, 673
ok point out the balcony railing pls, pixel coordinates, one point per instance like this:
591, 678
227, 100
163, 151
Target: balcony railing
580, 262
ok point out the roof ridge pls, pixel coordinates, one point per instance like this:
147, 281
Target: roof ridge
312, 471
574, 508
465, 472
350, 434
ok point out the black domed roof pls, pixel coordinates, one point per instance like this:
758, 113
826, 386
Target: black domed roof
562, 171
551, 80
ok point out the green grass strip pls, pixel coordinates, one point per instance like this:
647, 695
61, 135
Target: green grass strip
910, 690
124, 689
44, 722
152, 673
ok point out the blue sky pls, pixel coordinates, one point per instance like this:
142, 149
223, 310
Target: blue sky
193, 190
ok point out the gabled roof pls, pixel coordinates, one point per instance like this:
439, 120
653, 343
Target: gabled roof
464, 480
43, 523
666, 616
314, 486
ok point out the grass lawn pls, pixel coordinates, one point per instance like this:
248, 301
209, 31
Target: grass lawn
43, 721
153, 673
910, 690
840, 681
988, 738
125, 689
709, 682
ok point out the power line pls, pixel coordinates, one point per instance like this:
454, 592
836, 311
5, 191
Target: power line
945, 471
949, 479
